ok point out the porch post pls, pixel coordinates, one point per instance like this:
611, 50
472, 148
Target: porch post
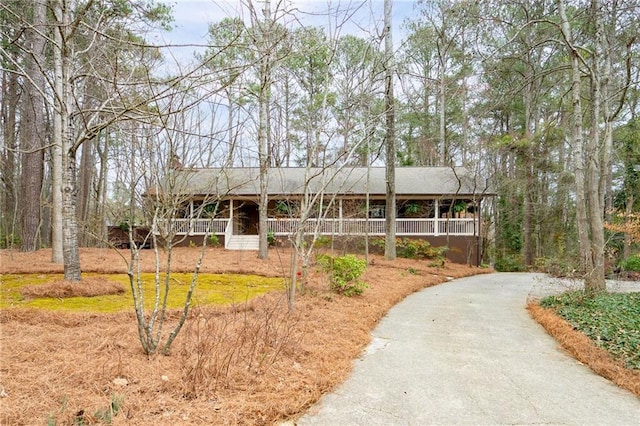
437, 218
478, 232
191, 217
231, 215
340, 216
477, 220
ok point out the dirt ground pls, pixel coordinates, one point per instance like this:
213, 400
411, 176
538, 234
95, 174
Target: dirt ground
255, 363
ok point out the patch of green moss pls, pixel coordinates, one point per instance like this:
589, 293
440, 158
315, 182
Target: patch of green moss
211, 289
10, 286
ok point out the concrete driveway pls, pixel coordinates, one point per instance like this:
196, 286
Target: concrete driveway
467, 352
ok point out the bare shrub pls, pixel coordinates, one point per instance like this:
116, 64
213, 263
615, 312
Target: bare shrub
245, 341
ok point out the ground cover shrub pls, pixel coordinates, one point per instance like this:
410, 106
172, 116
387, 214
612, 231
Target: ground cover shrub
344, 273
611, 320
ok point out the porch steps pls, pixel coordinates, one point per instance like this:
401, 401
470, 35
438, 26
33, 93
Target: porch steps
243, 242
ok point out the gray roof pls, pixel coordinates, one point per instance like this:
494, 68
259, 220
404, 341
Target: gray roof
418, 181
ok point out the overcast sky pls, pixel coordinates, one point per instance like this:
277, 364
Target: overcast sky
192, 17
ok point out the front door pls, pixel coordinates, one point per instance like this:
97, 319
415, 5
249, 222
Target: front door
247, 219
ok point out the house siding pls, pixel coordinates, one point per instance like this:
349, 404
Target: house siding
461, 249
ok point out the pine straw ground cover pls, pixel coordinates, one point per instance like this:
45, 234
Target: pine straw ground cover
245, 364
252, 363
585, 350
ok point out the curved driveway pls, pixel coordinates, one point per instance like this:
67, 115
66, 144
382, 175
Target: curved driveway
467, 352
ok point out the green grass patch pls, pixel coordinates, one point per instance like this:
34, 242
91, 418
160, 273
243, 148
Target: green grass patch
212, 289
611, 320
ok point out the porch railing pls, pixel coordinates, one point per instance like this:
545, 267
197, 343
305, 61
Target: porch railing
193, 226
287, 226
404, 227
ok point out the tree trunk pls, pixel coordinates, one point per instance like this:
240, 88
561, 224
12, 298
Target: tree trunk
586, 260
231, 131
65, 224
101, 196
32, 123
70, 223
263, 130
442, 114
528, 176
85, 178
60, 117
595, 280
9, 106
287, 122
390, 148
626, 247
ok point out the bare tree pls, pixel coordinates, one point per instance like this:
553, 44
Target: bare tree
264, 41
61, 10
390, 145
9, 102
591, 236
85, 52
32, 138
161, 160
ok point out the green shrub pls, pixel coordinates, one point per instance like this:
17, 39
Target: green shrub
214, 240
557, 267
271, 238
631, 263
419, 249
413, 249
344, 273
510, 263
438, 263
377, 244
322, 242
8, 241
407, 248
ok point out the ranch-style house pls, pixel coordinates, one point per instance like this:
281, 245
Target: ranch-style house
439, 204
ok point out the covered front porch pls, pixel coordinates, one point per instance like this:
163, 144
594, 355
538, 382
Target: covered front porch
237, 220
